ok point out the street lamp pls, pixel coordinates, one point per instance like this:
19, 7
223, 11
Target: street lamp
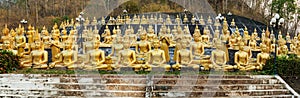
23, 22
80, 19
276, 22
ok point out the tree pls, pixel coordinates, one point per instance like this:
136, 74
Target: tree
287, 9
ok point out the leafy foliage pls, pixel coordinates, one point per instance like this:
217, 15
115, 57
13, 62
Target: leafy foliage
8, 62
285, 66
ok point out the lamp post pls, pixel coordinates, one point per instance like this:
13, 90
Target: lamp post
220, 18
23, 22
276, 22
80, 19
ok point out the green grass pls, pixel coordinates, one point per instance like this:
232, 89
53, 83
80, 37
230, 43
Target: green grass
59, 71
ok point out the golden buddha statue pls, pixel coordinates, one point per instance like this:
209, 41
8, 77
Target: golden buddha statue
163, 31
95, 58
39, 57
197, 47
184, 58
262, 57
232, 24
46, 38
193, 20
88, 44
282, 48
201, 20
85, 33
252, 43
12, 37
119, 31
140, 30
185, 19
219, 58
178, 20
87, 21
205, 37
168, 20
107, 36
143, 46
20, 41
67, 58
156, 58
64, 36
114, 35
226, 34
197, 30
55, 29
152, 20
62, 25
160, 19
233, 42
297, 49
187, 35
255, 34
273, 46
94, 22
55, 46
95, 34
209, 21
144, 20
5, 35
241, 58
217, 23
129, 35
8, 46
116, 47
151, 34
294, 44
216, 36
127, 57
288, 38
102, 20
29, 34
246, 35
135, 20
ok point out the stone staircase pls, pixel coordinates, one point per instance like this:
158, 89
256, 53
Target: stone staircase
78, 86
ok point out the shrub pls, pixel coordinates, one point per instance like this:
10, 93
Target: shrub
8, 62
285, 66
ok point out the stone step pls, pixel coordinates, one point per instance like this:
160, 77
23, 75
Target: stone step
221, 87
221, 81
219, 93
72, 92
264, 96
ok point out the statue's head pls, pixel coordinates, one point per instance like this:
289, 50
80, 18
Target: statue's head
96, 44
6, 44
156, 43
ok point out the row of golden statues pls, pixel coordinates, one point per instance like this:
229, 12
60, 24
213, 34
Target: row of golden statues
142, 19
152, 50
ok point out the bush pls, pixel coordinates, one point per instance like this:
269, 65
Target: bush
8, 62
285, 66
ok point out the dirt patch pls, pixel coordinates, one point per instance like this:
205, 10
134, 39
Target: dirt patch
294, 82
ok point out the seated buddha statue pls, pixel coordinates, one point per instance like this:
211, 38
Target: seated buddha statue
144, 20
255, 34
127, 57
132, 37
64, 36
88, 44
96, 35
87, 21
178, 20
46, 37
5, 35
262, 57
67, 58
206, 38
288, 38
168, 20
187, 35
156, 58
8, 46
20, 41
184, 58
241, 58
282, 48
107, 36
209, 21
232, 24
116, 47
55, 45
217, 23
185, 19
135, 20
94, 22
85, 33
193, 20
160, 19
197, 47
95, 58
39, 57
252, 43
12, 37
297, 49
165, 43
233, 42
143, 46
55, 29
151, 34
29, 34
293, 45
218, 58
201, 20
246, 36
